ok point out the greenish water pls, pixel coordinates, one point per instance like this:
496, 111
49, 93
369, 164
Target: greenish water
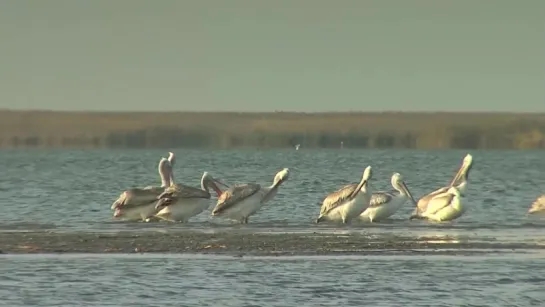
73, 190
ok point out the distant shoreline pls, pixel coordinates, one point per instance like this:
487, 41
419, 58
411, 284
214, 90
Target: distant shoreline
415, 130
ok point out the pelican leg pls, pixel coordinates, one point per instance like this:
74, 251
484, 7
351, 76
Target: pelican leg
246, 220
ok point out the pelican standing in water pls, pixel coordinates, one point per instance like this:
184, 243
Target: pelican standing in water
538, 205
180, 202
385, 204
139, 203
459, 181
241, 201
348, 202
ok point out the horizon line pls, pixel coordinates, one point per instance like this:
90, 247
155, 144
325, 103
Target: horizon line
267, 112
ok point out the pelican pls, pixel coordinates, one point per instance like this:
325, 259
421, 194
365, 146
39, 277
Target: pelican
241, 201
180, 202
348, 202
538, 205
384, 204
445, 206
460, 181
139, 203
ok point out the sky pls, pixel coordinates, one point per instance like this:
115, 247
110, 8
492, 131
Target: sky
265, 55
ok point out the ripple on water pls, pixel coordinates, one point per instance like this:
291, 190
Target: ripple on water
198, 280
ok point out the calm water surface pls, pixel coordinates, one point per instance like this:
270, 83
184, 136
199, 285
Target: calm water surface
73, 190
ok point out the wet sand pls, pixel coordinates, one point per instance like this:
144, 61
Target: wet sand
240, 244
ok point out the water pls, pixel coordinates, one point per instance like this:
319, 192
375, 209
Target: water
172, 280
73, 190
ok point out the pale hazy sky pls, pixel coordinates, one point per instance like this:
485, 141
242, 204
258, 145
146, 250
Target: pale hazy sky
290, 55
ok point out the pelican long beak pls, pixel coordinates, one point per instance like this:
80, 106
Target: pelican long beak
406, 189
358, 188
220, 183
163, 202
117, 212
115, 205
164, 195
214, 184
458, 175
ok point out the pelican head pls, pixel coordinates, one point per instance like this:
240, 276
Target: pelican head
367, 174
165, 171
171, 158
462, 175
281, 176
399, 184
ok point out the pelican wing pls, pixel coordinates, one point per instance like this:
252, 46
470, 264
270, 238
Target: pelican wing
192, 192
337, 198
184, 191
439, 202
234, 195
380, 198
137, 196
538, 204
422, 205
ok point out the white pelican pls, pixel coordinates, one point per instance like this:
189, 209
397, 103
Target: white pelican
139, 203
459, 181
538, 205
180, 202
385, 204
348, 202
445, 206
241, 201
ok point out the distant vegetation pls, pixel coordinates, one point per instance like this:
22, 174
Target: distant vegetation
266, 130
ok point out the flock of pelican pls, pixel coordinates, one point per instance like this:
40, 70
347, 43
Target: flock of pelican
178, 202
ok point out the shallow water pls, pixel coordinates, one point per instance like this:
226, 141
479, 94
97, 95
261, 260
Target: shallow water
177, 280
73, 190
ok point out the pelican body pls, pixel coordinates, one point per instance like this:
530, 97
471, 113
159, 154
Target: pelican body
445, 206
459, 181
538, 205
348, 202
385, 204
139, 203
180, 202
242, 201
